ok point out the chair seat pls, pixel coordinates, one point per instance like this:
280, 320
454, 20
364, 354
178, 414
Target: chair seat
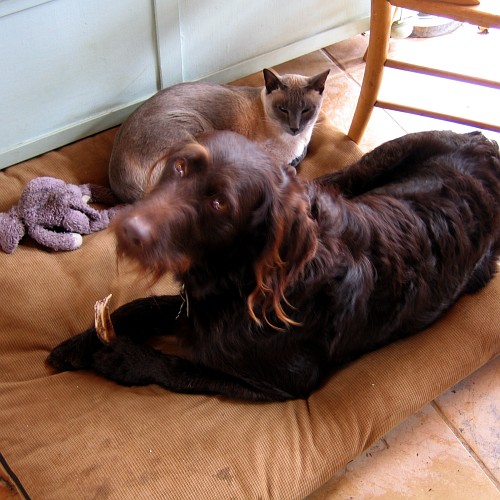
481, 13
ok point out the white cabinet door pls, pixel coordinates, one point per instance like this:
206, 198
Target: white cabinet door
222, 40
71, 68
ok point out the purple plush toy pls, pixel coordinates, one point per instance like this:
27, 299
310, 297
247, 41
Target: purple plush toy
55, 214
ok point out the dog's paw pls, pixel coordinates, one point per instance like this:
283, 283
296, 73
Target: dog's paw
74, 353
126, 363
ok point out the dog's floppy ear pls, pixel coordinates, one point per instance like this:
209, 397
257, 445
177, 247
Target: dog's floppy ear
190, 158
291, 242
187, 157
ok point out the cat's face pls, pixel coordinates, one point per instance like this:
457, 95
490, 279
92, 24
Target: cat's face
294, 101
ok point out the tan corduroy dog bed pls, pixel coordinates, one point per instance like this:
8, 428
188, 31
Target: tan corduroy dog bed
78, 436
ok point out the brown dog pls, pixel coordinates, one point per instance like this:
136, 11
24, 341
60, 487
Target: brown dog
286, 280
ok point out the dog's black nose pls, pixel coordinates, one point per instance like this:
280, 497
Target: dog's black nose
137, 231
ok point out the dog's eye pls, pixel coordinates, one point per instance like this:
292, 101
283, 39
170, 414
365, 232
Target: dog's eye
180, 167
218, 204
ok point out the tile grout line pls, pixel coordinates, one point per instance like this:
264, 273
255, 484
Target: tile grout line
338, 64
466, 445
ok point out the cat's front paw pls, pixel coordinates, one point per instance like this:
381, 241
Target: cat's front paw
295, 162
75, 353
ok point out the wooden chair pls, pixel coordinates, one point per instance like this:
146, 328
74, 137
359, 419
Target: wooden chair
484, 13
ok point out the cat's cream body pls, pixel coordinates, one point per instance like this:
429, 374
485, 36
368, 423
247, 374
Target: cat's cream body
279, 116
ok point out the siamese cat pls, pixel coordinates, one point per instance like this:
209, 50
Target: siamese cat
279, 116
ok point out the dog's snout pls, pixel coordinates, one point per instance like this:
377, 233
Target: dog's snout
137, 231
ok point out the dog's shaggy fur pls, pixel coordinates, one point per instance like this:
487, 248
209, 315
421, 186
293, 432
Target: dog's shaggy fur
285, 280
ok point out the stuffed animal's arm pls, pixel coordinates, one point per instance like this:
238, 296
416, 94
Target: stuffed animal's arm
11, 230
56, 241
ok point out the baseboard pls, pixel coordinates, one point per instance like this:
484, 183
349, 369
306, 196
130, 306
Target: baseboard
65, 135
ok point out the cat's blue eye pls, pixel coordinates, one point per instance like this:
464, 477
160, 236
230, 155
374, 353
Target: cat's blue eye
283, 109
306, 110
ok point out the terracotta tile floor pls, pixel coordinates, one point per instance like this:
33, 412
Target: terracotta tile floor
451, 448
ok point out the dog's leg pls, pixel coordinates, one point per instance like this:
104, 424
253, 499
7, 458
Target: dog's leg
138, 320
128, 361
129, 364
391, 158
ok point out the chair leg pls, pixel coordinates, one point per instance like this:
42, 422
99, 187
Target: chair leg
380, 27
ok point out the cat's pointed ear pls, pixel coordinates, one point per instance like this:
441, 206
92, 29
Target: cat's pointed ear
318, 82
272, 81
